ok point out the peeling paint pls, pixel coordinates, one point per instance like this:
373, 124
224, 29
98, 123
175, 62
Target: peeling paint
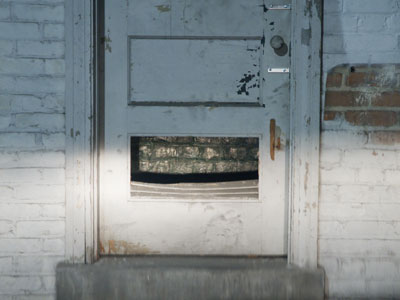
263, 40
244, 86
308, 9
305, 36
107, 44
163, 8
264, 7
318, 7
226, 227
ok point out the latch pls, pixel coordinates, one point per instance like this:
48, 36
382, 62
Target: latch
279, 7
274, 138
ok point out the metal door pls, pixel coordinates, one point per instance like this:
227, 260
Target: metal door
195, 68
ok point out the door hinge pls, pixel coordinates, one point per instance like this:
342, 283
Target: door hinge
278, 70
280, 7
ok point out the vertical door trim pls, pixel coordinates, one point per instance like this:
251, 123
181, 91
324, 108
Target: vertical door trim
81, 133
81, 150
305, 132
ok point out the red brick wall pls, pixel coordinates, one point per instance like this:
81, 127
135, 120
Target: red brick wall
366, 97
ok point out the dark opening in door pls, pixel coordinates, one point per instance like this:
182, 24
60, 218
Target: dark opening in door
197, 167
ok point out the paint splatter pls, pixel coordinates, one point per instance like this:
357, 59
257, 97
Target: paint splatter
247, 83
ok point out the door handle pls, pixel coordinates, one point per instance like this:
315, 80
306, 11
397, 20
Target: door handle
272, 125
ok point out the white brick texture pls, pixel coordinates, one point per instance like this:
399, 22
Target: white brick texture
359, 219
32, 147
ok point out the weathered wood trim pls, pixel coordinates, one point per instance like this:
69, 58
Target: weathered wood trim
80, 151
305, 132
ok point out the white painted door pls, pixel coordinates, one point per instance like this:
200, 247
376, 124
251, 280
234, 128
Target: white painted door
195, 68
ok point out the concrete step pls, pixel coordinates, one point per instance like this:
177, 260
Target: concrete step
170, 277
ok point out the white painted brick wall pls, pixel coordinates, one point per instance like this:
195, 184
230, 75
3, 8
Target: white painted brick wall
359, 219
32, 147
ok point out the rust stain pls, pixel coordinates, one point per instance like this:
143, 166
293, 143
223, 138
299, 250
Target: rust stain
111, 247
101, 247
272, 138
123, 247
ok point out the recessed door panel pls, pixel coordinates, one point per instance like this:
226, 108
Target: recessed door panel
194, 70
195, 18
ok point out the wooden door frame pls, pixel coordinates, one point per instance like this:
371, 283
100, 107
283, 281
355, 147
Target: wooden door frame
82, 127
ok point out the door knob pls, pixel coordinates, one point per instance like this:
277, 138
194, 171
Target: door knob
278, 44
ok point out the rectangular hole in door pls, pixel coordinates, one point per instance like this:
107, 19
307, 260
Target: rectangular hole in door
194, 168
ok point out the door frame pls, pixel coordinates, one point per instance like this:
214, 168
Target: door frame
83, 116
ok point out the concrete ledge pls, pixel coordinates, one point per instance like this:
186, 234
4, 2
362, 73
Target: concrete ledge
188, 278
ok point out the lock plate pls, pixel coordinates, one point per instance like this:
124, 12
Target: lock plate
278, 70
279, 7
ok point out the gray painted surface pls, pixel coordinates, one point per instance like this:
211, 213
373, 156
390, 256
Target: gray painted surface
202, 63
188, 278
195, 70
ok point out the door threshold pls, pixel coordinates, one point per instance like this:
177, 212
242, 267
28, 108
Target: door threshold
188, 277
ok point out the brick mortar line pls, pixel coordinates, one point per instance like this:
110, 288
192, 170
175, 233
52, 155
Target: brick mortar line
33, 274
39, 2
358, 202
353, 239
33, 151
366, 89
332, 127
38, 113
358, 221
45, 132
15, 112
37, 95
33, 255
30, 21
59, 148
28, 202
362, 108
35, 75
44, 76
33, 168
355, 52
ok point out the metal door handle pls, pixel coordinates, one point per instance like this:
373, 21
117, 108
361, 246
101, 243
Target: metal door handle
272, 138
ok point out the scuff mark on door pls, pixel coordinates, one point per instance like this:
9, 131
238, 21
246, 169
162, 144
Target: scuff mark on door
123, 247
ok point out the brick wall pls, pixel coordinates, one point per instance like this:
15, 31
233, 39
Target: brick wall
32, 142
359, 237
